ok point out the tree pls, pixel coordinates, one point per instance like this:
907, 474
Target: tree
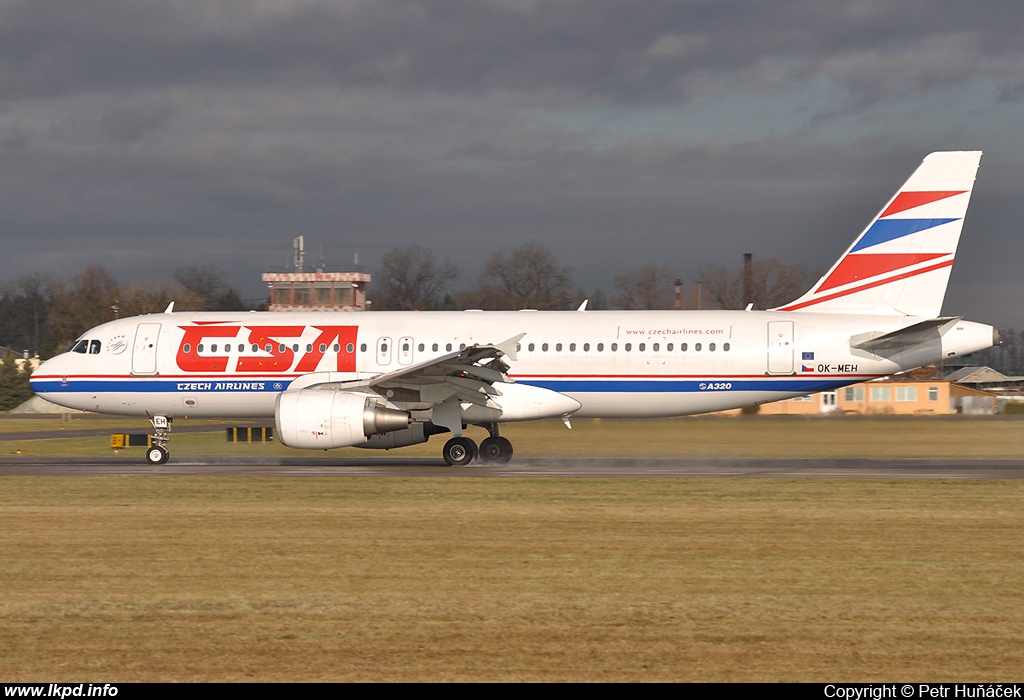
86, 303
528, 277
413, 278
774, 284
210, 291
14, 387
24, 306
649, 287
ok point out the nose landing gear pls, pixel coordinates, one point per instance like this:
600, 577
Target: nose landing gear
157, 453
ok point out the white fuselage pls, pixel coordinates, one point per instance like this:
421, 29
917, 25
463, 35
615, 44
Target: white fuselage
613, 363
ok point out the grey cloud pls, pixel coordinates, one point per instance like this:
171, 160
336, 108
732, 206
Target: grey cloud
148, 135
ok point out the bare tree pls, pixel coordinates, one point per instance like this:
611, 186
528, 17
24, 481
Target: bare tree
649, 287
211, 292
87, 302
774, 284
527, 277
140, 299
24, 305
413, 278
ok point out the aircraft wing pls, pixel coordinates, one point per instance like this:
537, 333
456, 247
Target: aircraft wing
468, 375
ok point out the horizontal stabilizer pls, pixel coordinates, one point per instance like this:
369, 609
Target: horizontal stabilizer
905, 337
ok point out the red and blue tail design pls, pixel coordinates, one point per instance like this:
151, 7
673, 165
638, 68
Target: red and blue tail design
900, 264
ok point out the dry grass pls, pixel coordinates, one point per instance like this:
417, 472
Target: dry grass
128, 578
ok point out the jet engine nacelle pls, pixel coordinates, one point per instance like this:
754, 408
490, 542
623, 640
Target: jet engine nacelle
319, 419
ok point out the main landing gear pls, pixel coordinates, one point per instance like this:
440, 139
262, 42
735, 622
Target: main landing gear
157, 452
460, 451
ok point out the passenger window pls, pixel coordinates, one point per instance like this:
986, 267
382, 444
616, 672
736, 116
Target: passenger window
362, 347
615, 346
448, 347
350, 347
682, 347
586, 347
641, 347
629, 346
558, 347
309, 347
433, 347
323, 347
281, 347
600, 347
667, 347
726, 347
711, 347
544, 347
422, 347
213, 348
696, 347
572, 347
269, 348
462, 346
199, 348
655, 347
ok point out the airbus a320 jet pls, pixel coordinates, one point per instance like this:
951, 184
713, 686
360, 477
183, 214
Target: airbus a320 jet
390, 379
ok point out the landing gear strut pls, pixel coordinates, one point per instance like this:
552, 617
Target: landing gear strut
157, 453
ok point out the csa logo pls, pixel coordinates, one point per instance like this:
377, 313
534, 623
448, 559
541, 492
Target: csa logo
117, 345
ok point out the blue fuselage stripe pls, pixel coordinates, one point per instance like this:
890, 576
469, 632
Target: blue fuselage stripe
803, 385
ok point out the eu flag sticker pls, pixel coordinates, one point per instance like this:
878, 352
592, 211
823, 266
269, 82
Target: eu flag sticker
808, 356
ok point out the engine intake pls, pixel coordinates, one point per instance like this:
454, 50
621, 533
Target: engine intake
316, 419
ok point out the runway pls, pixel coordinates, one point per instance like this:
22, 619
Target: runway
526, 468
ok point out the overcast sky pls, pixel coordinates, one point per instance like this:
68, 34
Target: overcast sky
150, 135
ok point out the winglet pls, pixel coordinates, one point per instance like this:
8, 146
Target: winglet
508, 347
170, 308
583, 306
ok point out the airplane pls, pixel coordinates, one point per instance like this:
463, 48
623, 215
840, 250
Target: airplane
390, 379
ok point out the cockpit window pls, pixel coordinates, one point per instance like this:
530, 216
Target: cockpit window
82, 346
94, 347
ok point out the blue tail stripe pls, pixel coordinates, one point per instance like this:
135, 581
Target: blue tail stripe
890, 229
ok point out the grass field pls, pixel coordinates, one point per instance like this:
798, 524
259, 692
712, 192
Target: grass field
391, 579
305, 579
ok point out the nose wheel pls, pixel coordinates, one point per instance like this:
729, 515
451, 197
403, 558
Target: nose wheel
157, 454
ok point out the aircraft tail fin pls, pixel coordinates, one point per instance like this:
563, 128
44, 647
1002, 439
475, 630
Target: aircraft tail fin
900, 264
